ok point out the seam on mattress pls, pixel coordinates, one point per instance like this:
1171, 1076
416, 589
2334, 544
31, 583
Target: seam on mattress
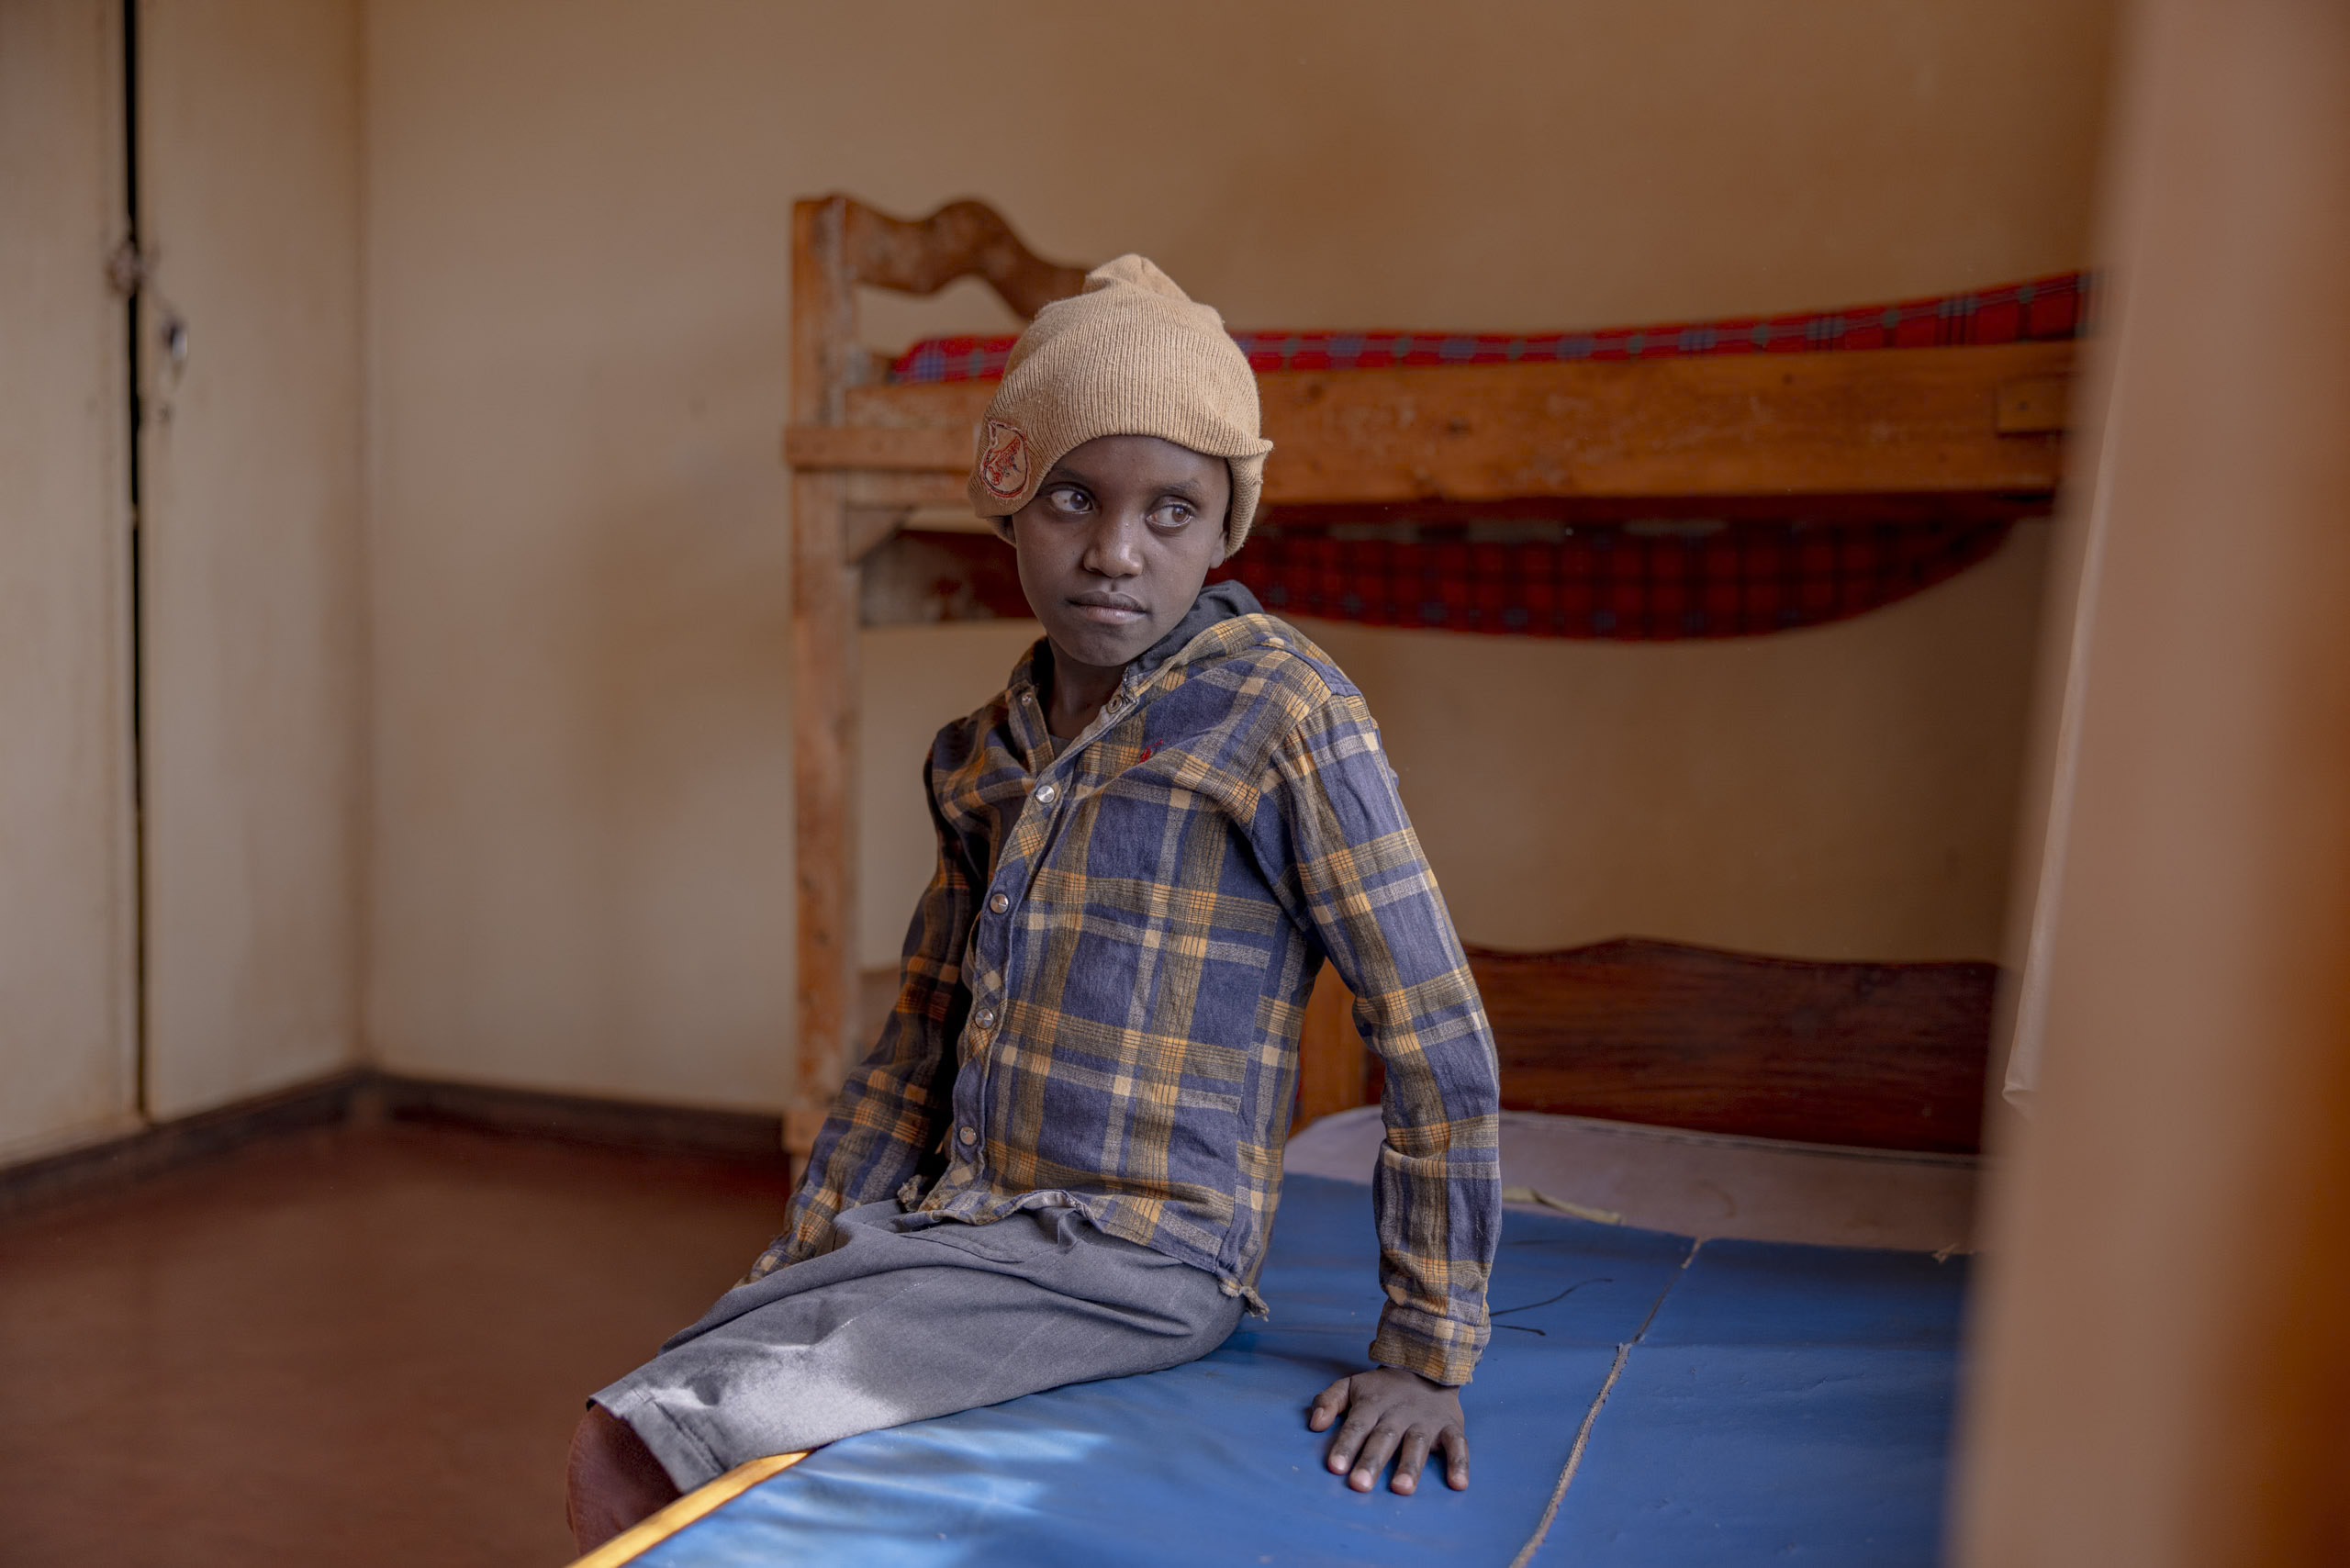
1590, 1416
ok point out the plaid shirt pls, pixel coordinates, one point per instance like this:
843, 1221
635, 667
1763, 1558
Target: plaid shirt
1104, 985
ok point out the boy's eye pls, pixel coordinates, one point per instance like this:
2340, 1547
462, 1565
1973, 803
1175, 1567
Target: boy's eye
1068, 498
1172, 514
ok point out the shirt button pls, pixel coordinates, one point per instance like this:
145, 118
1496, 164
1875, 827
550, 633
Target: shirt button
1046, 794
999, 903
967, 1137
984, 1017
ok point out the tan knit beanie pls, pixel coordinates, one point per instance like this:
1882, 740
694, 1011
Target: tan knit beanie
1132, 355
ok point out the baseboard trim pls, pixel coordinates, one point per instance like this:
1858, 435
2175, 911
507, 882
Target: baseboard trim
149, 1151
581, 1118
367, 1095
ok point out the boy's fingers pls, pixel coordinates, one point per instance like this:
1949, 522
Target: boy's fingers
1326, 1406
1373, 1458
1456, 1452
1408, 1462
1359, 1421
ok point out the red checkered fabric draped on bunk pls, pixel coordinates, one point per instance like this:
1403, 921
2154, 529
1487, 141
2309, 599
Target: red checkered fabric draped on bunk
2044, 310
1641, 581
1626, 582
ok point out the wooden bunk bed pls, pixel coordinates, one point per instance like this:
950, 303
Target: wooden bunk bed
1773, 1357
1889, 1056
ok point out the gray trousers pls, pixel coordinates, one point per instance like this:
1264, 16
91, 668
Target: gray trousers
908, 1319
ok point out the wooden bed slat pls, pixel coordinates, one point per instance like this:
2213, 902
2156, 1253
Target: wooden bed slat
1941, 420
1887, 420
931, 448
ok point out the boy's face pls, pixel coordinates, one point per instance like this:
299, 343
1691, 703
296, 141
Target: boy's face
1116, 542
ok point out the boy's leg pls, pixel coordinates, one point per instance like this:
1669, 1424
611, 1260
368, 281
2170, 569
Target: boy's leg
897, 1327
613, 1478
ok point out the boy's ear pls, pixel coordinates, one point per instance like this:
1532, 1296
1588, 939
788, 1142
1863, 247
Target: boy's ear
1003, 527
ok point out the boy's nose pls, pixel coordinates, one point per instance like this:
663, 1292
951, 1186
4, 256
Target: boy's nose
1116, 548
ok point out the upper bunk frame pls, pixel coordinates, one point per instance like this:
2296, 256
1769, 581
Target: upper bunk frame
1945, 425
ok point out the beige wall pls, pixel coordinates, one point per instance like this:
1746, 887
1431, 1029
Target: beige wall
577, 242
1842, 792
254, 702
67, 1023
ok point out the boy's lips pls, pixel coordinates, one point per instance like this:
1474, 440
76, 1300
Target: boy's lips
1108, 609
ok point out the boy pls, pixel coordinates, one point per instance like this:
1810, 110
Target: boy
1062, 1160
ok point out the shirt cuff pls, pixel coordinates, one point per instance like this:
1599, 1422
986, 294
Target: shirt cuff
1442, 1349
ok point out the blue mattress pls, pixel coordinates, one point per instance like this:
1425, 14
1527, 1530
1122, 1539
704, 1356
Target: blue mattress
1737, 1401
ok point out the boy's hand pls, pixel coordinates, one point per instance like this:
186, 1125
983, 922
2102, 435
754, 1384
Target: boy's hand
1392, 1413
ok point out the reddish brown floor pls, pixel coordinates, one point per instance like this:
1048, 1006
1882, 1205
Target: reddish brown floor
357, 1347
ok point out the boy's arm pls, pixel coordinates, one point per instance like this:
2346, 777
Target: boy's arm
1370, 898
890, 1111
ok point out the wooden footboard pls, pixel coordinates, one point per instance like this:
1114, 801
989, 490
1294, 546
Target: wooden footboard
1881, 1055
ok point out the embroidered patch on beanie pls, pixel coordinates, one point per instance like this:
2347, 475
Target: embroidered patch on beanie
1004, 464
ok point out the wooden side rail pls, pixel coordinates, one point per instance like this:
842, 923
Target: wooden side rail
1881, 1055
1889, 421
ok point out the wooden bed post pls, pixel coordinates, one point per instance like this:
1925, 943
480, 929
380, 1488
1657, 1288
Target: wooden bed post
823, 655
840, 511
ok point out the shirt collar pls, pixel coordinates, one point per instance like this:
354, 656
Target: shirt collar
1218, 602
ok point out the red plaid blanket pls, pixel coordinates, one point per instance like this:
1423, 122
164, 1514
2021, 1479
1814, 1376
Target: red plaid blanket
2042, 309
1622, 581
1637, 582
